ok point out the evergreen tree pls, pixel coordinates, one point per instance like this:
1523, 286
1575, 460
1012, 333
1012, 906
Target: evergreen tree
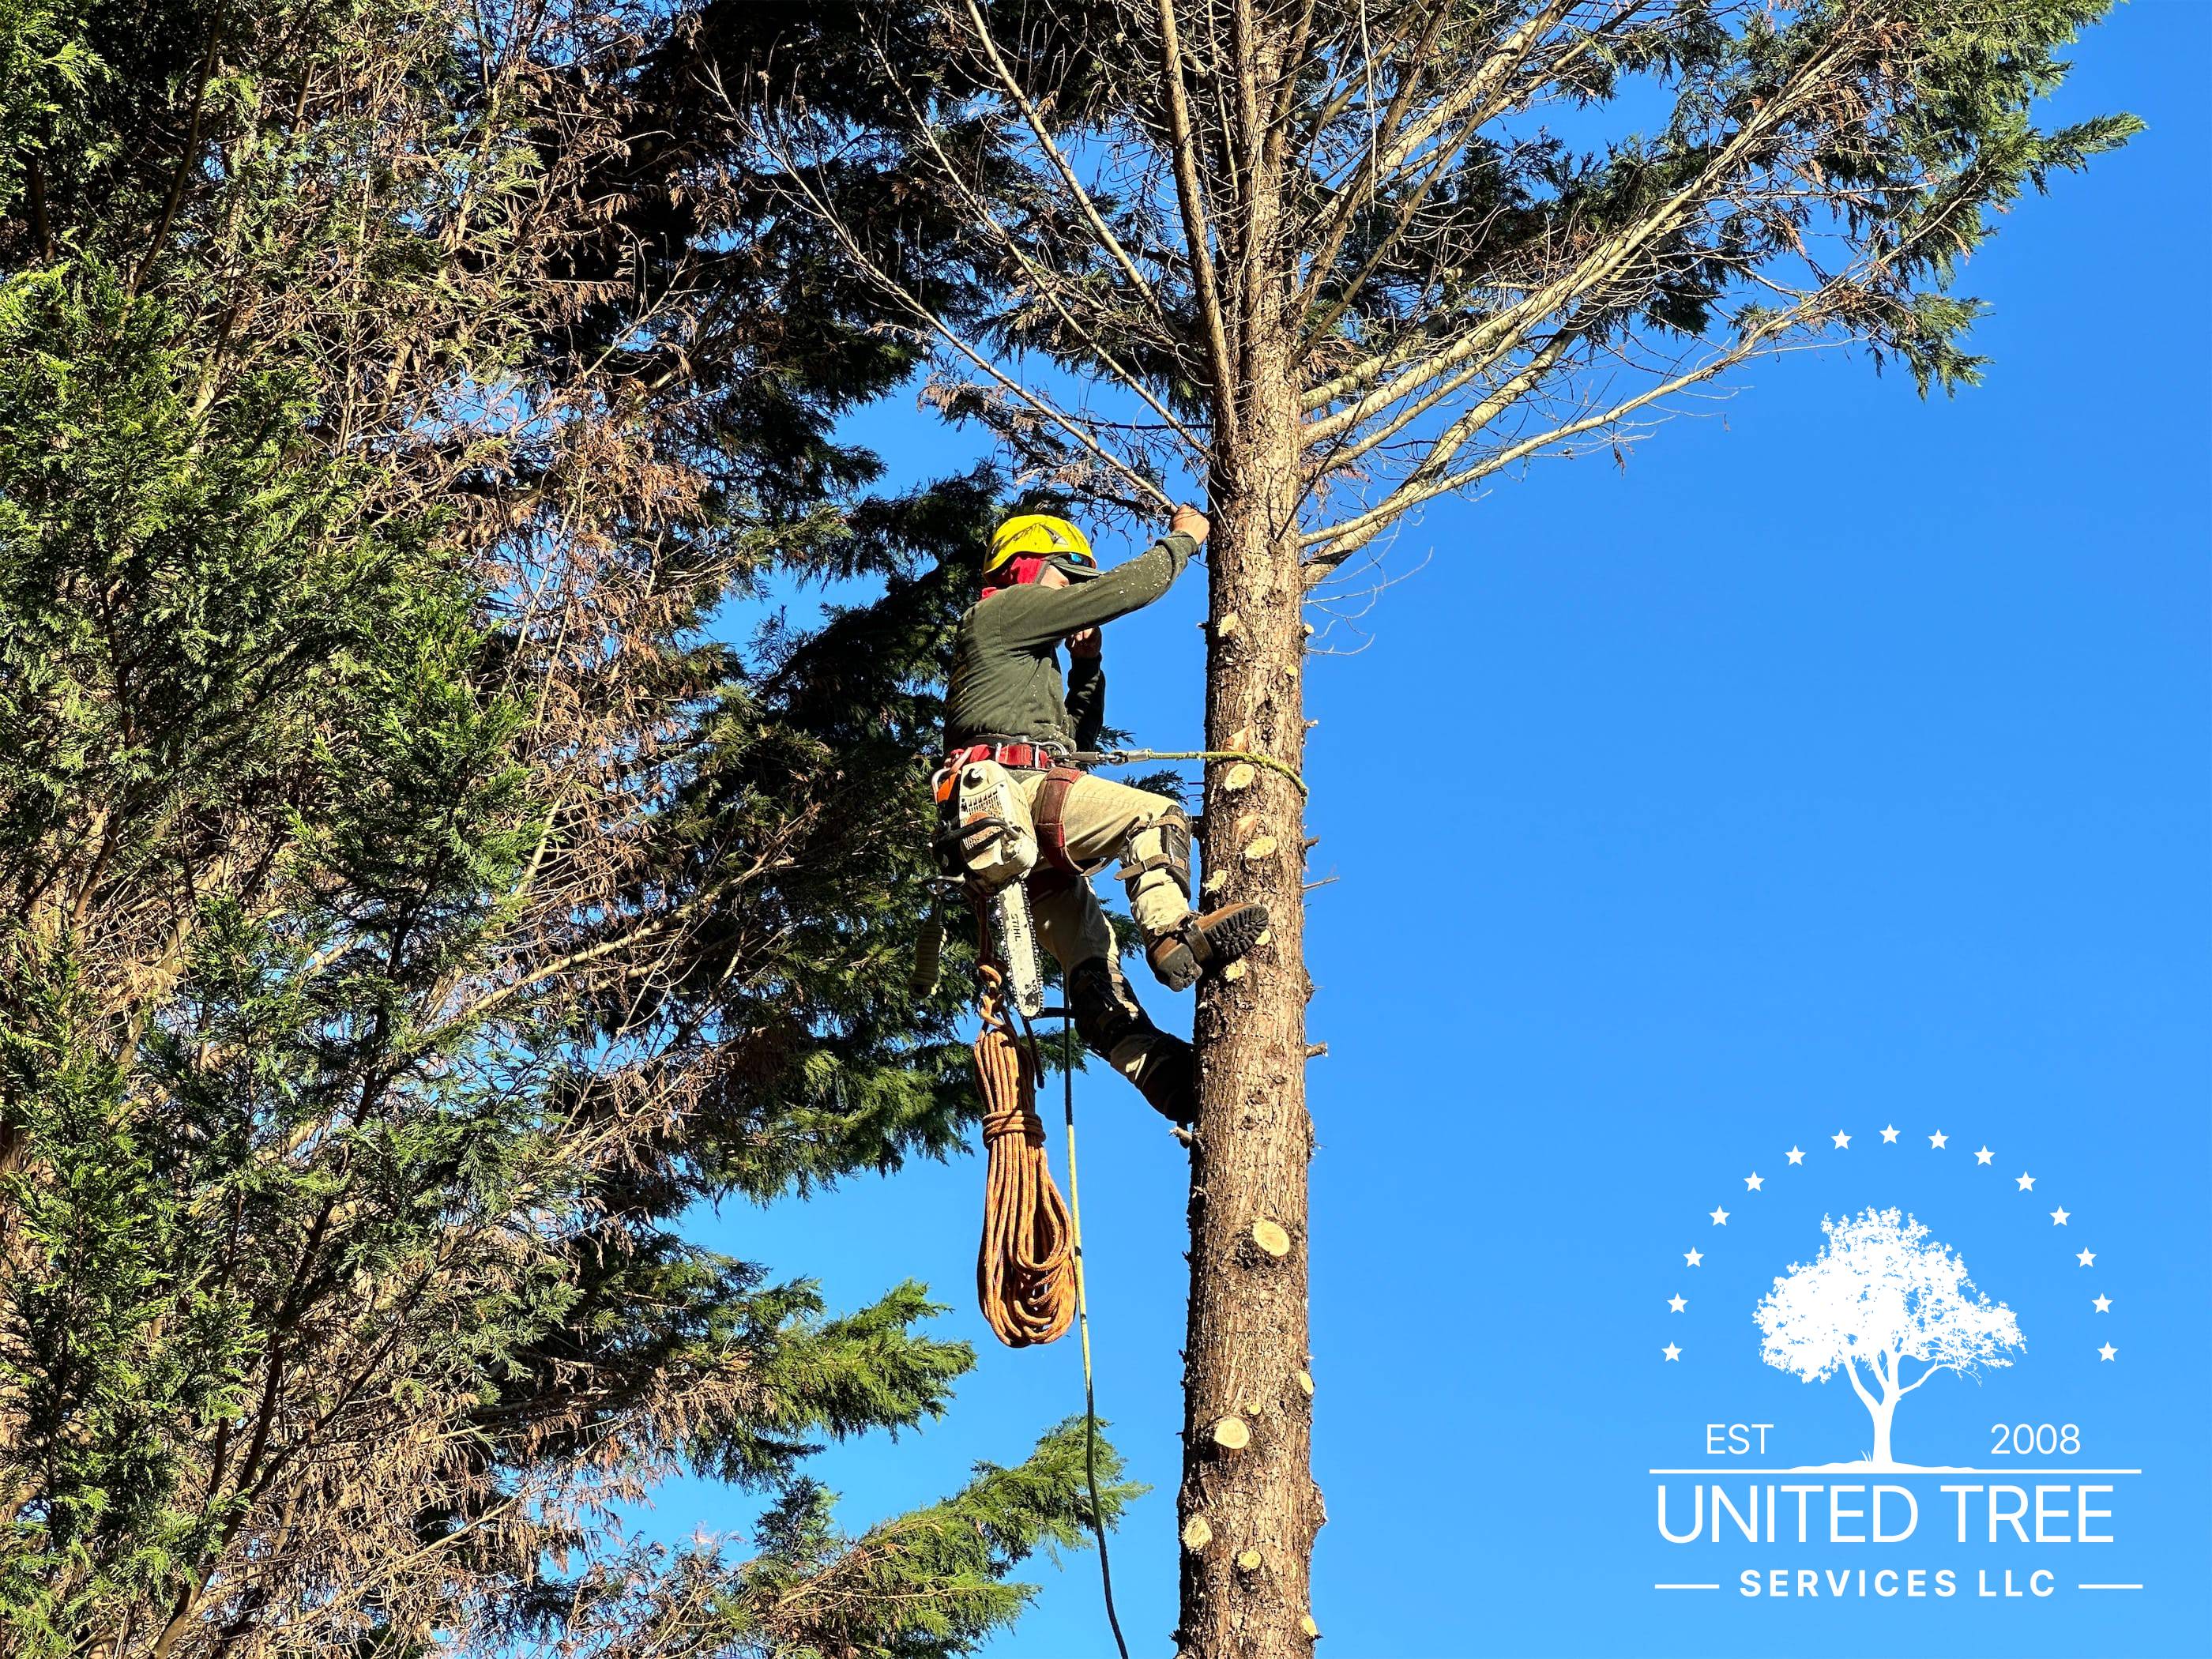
410, 913
1329, 259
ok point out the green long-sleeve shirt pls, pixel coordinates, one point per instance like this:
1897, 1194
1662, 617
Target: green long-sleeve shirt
1006, 659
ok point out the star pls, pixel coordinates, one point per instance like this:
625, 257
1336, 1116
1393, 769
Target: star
2058, 1216
1939, 1141
1673, 1353
1797, 1157
1842, 1140
1753, 1182
1889, 1136
2102, 1304
2085, 1257
1720, 1218
1693, 1257
2026, 1182
1676, 1303
2108, 1350
1982, 1157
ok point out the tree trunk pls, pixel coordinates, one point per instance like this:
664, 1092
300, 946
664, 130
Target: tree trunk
1249, 1507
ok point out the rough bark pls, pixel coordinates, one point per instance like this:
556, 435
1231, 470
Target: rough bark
1249, 1497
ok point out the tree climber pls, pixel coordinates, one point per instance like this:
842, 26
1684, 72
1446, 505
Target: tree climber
1043, 589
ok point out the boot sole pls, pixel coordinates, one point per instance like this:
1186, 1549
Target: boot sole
1226, 941
1177, 970
1234, 936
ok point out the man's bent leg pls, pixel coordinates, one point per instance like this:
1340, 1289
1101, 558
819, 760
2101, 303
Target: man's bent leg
1109, 1020
1098, 819
1114, 1025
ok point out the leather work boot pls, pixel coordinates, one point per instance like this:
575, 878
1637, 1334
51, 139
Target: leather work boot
1210, 941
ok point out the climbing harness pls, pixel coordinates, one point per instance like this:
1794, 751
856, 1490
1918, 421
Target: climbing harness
1018, 752
1024, 756
1048, 811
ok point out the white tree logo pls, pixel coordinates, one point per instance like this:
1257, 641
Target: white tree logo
1883, 1292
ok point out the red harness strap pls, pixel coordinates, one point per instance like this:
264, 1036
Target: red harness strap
1051, 831
1019, 756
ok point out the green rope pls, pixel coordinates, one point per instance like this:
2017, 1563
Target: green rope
1124, 757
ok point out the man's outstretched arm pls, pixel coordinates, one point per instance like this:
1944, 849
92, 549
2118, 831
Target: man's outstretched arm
1035, 615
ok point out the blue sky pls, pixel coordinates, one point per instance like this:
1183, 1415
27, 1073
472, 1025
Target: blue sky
1840, 764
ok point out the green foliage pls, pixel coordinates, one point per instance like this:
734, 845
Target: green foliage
185, 644
412, 917
943, 1568
1427, 243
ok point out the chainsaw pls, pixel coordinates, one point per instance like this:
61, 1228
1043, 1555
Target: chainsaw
984, 844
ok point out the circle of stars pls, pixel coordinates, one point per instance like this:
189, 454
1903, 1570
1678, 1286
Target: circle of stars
1938, 1142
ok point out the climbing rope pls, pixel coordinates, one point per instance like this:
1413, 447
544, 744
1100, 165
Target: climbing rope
1083, 1327
1125, 757
1026, 1273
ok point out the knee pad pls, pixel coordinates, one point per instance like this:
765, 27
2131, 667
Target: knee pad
1105, 1016
1162, 844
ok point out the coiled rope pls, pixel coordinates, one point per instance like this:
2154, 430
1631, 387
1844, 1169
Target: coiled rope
1026, 1272
1029, 1269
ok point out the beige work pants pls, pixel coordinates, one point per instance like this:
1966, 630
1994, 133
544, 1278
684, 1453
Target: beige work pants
1099, 816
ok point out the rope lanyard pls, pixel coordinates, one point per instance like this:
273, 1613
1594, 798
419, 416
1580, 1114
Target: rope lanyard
1126, 756
1083, 1329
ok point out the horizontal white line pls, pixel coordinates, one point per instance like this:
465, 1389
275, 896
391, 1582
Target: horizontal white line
1715, 1587
2108, 1587
1887, 1473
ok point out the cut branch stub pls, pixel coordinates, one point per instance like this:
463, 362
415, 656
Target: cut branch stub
1196, 1534
1239, 776
1270, 1237
1304, 1380
1260, 847
1249, 1561
1231, 1433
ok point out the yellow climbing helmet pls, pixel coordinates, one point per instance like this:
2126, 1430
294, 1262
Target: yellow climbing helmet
1037, 535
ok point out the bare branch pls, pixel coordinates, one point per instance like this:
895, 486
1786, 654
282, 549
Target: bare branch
1338, 542
931, 320
1110, 243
